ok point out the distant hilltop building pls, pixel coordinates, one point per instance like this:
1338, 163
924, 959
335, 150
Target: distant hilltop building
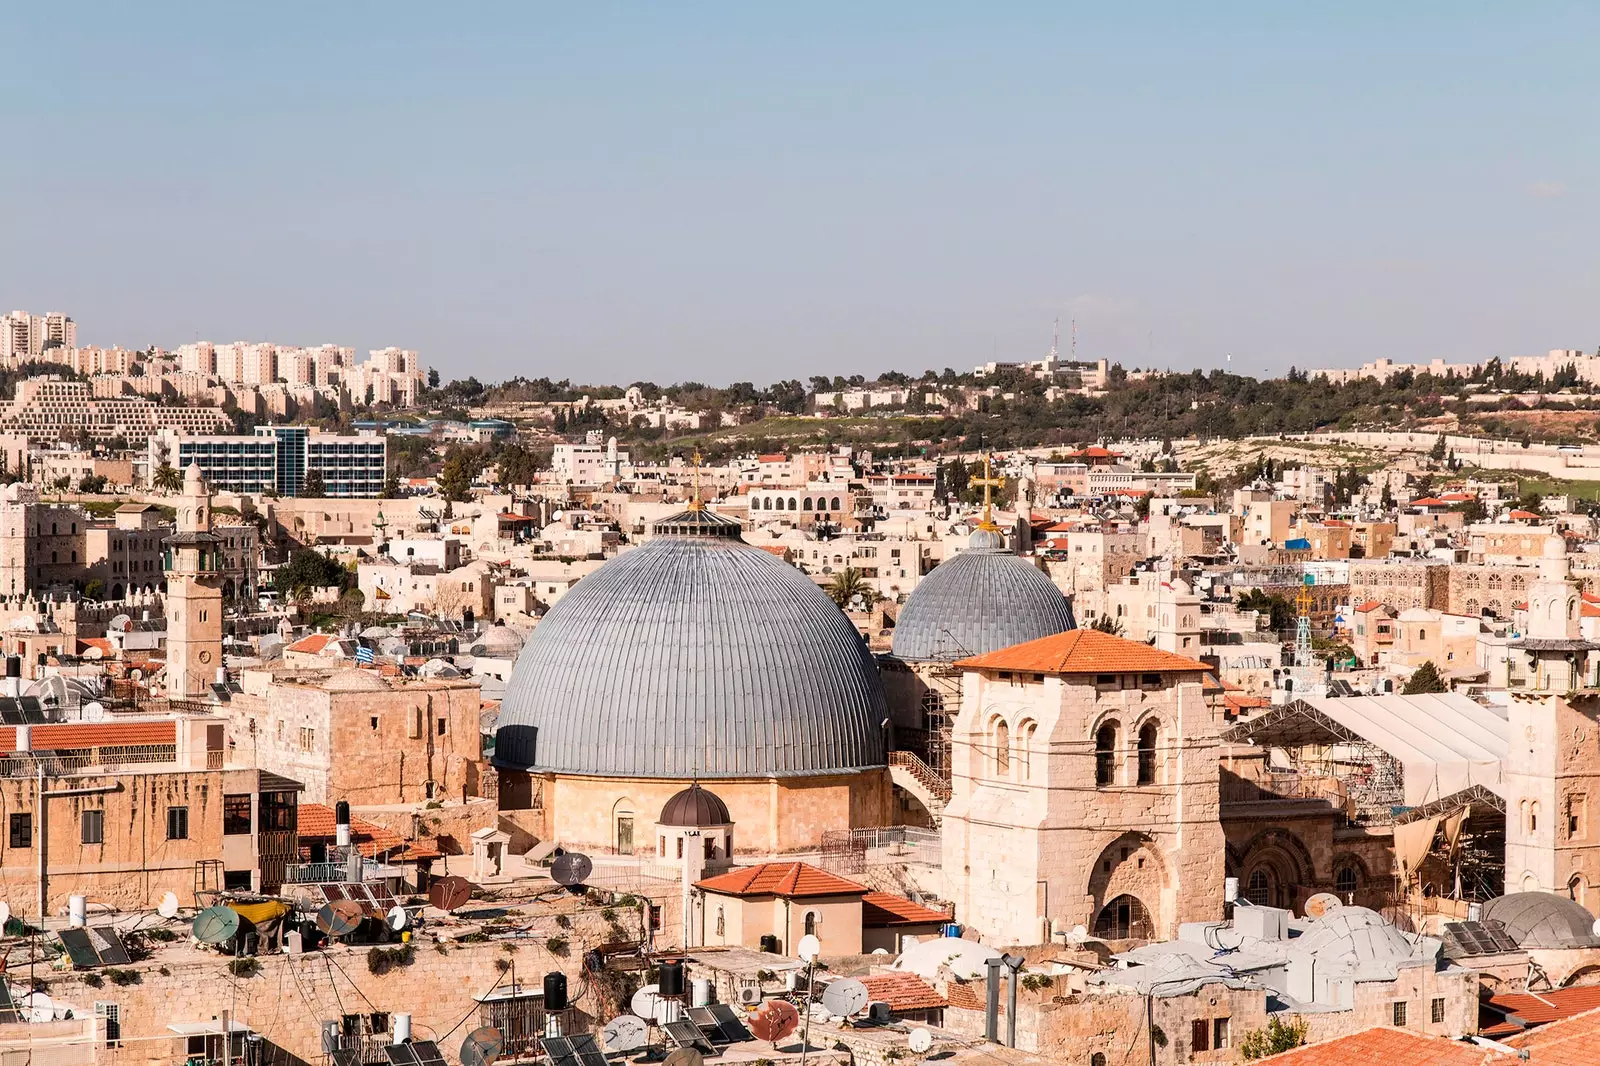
1587, 367
389, 375
24, 336
47, 408
278, 459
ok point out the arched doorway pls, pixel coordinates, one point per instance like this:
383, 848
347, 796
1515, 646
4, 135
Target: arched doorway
1131, 867
1124, 918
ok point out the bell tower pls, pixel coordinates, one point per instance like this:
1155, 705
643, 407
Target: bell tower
193, 564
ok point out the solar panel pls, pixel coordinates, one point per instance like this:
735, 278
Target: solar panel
109, 946
381, 895
8, 1007
588, 1052
347, 1057
32, 712
707, 1023
331, 893
10, 713
79, 949
400, 1054
559, 1048
733, 1029
685, 1033
427, 1053
1479, 938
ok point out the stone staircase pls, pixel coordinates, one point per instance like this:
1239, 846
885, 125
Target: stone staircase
921, 780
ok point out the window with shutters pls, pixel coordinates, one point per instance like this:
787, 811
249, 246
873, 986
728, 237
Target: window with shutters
112, 1014
177, 823
93, 827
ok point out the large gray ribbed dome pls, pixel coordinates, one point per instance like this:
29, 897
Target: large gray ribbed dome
693, 656
984, 599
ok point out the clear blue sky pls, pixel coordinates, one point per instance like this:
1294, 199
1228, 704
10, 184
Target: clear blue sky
750, 191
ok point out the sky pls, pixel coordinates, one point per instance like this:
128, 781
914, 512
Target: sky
717, 192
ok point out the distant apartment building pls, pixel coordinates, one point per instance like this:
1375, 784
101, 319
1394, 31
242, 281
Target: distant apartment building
389, 375
47, 409
24, 336
277, 459
587, 464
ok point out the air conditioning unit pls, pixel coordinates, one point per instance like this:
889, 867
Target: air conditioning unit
749, 995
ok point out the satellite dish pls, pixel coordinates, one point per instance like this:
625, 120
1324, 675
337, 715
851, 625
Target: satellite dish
40, 1007
920, 1041
845, 997
119, 623
340, 918
571, 869
5, 912
216, 924
92, 652
398, 918
625, 1032
809, 948
482, 1046
448, 893
168, 907
1322, 903
1595, 929
776, 1021
684, 1056
647, 1003
1079, 933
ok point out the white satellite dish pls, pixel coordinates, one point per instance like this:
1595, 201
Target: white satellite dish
38, 1007
1595, 929
1079, 934
119, 623
398, 918
809, 948
647, 1003
625, 1032
920, 1041
5, 912
168, 907
845, 997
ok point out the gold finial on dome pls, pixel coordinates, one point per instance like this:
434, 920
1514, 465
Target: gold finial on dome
988, 481
697, 504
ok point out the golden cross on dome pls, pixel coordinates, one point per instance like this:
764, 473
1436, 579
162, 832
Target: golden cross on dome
697, 504
988, 481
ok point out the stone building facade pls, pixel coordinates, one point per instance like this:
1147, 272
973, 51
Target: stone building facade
1085, 791
1400, 583
1497, 588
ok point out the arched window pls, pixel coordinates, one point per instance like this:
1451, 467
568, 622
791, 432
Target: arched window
1148, 733
1025, 749
811, 923
1002, 749
722, 922
1258, 889
1345, 880
836, 503
1422, 634
1124, 918
1105, 755
792, 506
1097, 1059
805, 505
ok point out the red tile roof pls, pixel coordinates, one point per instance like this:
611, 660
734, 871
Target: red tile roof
104, 646
316, 821
1428, 501
314, 644
1569, 1042
1082, 651
790, 879
773, 457
1524, 515
970, 995
1390, 1047
1547, 1007
902, 991
1369, 605
94, 735
879, 909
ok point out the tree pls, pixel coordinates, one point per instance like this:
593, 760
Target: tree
307, 569
391, 486
92, 483
455, 480
1277, 1037
95, 589
1471, 510
1437, 451
433, 377
1106, 624
313, 487
167, 478
848, 585
1425, 680
1141, 506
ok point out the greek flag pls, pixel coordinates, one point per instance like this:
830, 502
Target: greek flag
365, 655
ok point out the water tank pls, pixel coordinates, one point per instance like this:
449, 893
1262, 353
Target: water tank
402, 1028
341, 824
555, 991
700, 992
669, 976
77, 911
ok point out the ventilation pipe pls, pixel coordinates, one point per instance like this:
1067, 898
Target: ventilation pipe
341, 818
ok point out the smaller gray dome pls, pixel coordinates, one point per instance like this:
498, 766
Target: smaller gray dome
987, 539
696, 807
981, 600
1543, 920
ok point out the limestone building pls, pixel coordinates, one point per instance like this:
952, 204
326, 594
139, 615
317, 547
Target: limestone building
1085, 792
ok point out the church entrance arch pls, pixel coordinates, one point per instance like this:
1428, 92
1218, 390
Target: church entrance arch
1130, 871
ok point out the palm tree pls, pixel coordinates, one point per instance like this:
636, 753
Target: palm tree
167, 478
847, 585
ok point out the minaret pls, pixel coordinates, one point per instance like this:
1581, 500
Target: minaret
194, 594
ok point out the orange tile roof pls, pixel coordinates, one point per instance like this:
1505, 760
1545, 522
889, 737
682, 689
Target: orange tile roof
882, 908
1547, 1007
970, 995
1081, 651
775, 549
312, 645
317, 821
1569, 1042
902, 991
1428, 501
75, 735
1369, 605
106, 648
773, 457
1524, 515
1390, 1047
1591, 610
790, 879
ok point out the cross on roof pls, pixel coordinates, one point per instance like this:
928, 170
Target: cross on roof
696, 504
988, 482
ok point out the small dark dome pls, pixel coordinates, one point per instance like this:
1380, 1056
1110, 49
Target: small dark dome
694, 806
